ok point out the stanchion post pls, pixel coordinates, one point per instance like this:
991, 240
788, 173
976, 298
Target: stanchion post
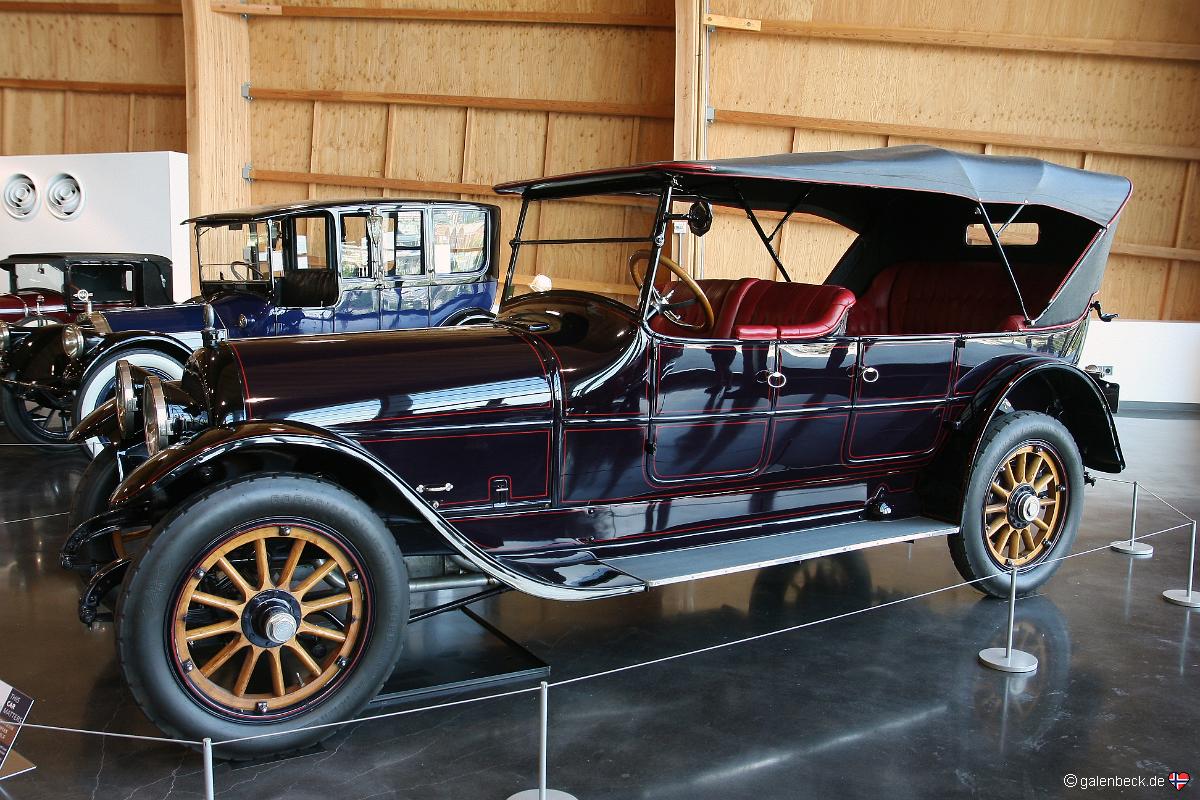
1006, 659
209, 793
1131, 546
1186, 597
542, 792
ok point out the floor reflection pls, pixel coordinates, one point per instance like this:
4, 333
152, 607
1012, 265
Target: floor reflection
891, 699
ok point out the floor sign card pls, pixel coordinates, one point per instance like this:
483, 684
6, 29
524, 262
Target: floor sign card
14, 708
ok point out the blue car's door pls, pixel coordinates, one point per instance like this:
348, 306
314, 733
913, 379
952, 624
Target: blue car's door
404, 288
458, 255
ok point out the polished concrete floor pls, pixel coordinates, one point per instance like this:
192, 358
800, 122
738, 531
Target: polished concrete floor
888, 703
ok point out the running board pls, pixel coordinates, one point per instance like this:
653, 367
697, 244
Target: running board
706, 561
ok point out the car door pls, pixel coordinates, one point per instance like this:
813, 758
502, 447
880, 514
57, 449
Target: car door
458, 253
404, 286
900, 396
359, 301
710, 410
310, 247
812, 405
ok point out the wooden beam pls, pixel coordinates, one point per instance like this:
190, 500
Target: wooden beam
445, 15
145, 9
368, 182
93, 87
955, 135
984, 40
732, 23
1155, 251
466, 101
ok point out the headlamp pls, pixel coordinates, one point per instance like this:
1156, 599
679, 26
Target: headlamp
72, 341
154, 409
126, 399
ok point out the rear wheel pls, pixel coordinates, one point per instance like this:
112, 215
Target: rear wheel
263, 605
1022, 505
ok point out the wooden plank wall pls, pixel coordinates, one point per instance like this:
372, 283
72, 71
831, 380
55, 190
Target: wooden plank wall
82, 80
1112, 85
447, 108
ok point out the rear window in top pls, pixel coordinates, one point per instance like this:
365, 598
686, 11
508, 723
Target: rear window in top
459, 240
1015, 233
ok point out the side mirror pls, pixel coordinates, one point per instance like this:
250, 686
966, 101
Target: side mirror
700, 217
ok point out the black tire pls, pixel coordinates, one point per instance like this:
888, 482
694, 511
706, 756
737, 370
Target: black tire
25, 430
167, 566
96, 485
970, 549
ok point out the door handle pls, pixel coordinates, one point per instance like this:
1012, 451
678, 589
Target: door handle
447, 486
869, 374
776, 380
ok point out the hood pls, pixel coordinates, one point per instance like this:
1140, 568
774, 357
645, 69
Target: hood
23, 302
186, 317
11, 308
368, 383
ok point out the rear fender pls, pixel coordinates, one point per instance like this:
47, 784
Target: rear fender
1035, 384
217, 454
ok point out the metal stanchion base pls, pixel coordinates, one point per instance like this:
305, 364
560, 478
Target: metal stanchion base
534, 794
1181, 597
1139, 549
999, 658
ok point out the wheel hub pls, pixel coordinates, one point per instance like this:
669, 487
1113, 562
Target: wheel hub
1024, 507
271, 618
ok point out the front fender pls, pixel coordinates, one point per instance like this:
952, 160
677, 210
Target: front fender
1035, 383
169, 477
178, 346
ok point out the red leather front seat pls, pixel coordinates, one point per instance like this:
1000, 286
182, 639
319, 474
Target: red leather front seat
773, 310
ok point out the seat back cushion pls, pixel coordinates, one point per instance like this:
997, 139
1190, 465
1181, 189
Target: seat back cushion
725, 297
791, 311
950, 297
307, 288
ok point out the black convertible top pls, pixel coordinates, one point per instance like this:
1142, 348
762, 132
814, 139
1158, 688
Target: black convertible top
1094, 196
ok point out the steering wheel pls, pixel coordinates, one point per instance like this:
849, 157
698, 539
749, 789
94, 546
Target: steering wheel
248, 269
663, 302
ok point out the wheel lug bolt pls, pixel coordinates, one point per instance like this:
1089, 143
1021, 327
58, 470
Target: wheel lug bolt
342, 662
352, 575
188, 666
262, 707
199, 573
285, 530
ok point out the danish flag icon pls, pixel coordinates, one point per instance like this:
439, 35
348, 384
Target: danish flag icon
1179, 779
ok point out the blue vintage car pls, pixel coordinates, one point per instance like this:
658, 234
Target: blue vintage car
281, 270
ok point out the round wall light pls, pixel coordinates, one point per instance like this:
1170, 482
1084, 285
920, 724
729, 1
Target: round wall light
20, 196
64, 196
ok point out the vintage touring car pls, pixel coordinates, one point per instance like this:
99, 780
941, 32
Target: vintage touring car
306, 268
292, 493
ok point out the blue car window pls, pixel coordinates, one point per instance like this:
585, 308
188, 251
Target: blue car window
408, 261
459, 240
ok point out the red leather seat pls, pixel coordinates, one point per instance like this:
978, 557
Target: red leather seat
773, 310
951, 297
724, 295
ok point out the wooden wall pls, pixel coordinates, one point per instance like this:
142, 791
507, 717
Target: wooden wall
91, 77
448, 107
1112, 85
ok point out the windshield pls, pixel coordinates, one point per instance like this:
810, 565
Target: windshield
587, 245
34, 276
243, 252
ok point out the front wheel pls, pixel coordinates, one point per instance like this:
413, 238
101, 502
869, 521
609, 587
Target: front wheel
35, 421
262, 605
1022, 505
101, 380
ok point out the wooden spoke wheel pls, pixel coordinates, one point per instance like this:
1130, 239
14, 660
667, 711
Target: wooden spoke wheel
269, 620
1022, 514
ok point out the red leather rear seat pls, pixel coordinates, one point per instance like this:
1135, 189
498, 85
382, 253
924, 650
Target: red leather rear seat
950, 297
725, 297
773, 310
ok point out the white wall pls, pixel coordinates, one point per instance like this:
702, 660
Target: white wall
1156, 362
132, 202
